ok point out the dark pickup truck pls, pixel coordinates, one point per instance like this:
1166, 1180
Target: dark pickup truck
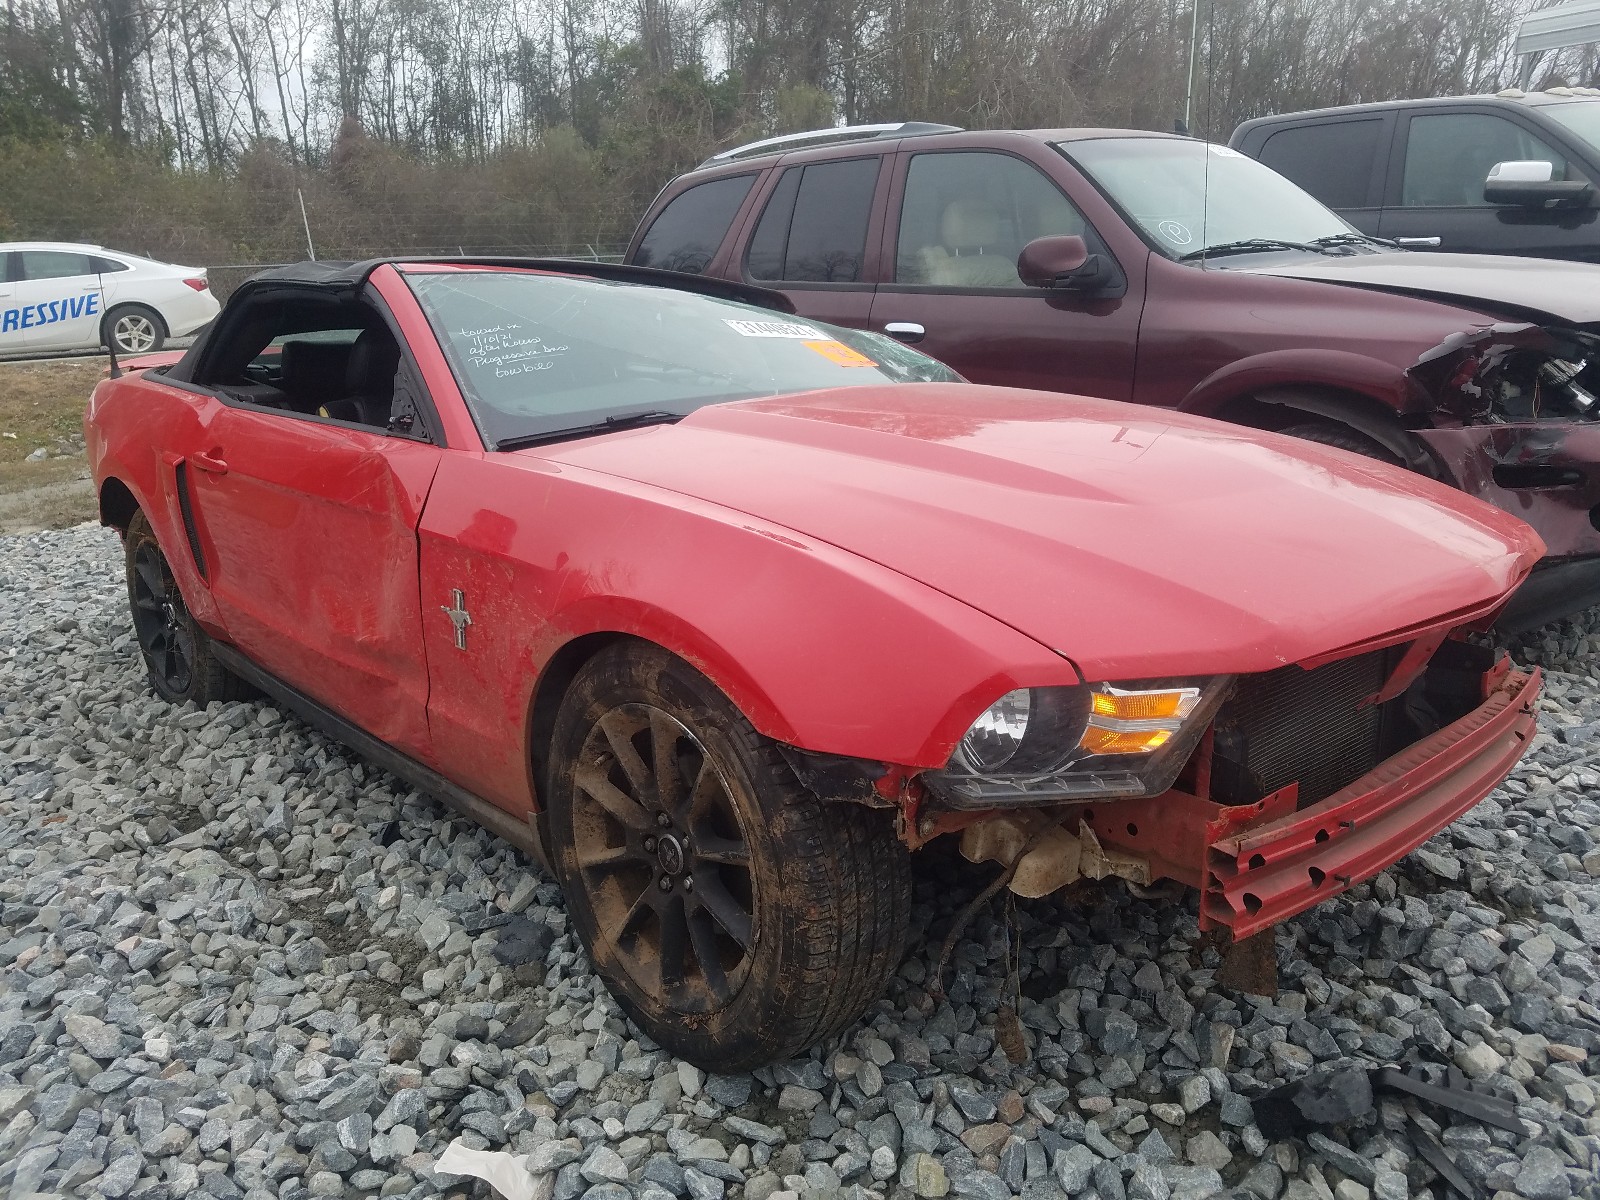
1512, 173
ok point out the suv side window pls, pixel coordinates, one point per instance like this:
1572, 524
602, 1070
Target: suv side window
814, 228
1332, 160
686, 234
966, 215
1449, 155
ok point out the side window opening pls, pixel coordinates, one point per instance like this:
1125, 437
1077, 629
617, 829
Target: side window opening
54, 264
318, 359
1332, 160
814, 228
967, 215
686, 233
1449, 155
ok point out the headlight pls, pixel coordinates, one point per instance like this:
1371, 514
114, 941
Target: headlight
1037, 745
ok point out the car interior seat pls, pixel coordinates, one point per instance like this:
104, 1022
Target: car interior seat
970, 252
312, 374
368, 389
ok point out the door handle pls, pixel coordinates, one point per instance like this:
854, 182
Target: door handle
905, 331
210, 461
1417, 241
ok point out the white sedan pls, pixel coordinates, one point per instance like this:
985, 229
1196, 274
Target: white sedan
61, 296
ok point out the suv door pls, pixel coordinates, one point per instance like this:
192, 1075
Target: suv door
59, 299
815, 238
1342, 162
959, 218
1440, 162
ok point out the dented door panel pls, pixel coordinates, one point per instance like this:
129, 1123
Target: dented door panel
312, 528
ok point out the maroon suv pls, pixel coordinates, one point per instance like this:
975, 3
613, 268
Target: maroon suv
1167, 271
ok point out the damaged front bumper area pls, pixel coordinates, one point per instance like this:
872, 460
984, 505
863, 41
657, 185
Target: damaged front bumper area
1258, 864
1516, 422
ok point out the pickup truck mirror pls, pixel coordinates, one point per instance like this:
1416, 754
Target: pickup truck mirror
1530, 183
1052, 262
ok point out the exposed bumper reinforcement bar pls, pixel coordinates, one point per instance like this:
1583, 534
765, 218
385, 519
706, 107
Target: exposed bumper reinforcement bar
1259, 864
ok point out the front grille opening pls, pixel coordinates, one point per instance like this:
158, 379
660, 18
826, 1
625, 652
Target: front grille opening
1292, 725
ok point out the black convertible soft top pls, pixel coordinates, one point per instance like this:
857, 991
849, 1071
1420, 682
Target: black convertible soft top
346, 276
344, 280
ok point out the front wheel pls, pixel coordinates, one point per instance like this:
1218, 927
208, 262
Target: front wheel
1330, 433
134, 329
735, 916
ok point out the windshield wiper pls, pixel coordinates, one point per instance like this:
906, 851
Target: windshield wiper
647, 416
1247, 245
1351, 239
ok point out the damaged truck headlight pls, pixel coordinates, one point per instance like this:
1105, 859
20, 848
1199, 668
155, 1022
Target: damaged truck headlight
1098, 741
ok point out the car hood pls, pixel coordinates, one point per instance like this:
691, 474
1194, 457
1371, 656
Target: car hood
1136, 543
1541, 288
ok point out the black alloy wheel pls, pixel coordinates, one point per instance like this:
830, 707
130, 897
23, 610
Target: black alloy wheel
162, 624
737, 916
177, 652
658, 841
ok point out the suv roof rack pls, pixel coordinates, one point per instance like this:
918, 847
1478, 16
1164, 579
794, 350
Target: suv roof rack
845, 133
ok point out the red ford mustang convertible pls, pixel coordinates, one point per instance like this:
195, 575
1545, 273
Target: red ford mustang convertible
723, 614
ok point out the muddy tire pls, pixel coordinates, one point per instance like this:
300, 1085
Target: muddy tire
1330, 433
736, 917
177, 652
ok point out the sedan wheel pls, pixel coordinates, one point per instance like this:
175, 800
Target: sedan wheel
736, 916
135, 329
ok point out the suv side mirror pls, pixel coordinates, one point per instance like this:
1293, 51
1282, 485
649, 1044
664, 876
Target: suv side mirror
1058, 262
1529, 183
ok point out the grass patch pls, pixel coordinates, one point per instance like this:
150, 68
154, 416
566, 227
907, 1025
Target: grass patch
42, 402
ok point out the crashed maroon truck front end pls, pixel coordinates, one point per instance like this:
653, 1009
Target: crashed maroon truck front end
1516, 421
1505, 405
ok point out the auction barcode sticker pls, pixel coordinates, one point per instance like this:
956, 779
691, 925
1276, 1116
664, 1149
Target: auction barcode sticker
774, 329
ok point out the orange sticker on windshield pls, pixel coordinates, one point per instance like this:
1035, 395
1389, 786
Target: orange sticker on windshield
838, 352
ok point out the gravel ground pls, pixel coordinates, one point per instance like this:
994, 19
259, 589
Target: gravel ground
234, 961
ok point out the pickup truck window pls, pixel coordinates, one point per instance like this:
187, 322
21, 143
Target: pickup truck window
686, 234
1332, 159
1583, 119
1449, 155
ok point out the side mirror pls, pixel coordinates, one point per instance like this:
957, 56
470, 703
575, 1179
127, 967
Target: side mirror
1045, 262
1530, 184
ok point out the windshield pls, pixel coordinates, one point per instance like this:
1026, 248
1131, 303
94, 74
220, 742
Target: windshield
1582, 118
541, 355
1187, 195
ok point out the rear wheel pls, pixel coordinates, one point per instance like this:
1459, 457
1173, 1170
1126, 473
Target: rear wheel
1330, 433
177, 652
134, 329
736, 917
